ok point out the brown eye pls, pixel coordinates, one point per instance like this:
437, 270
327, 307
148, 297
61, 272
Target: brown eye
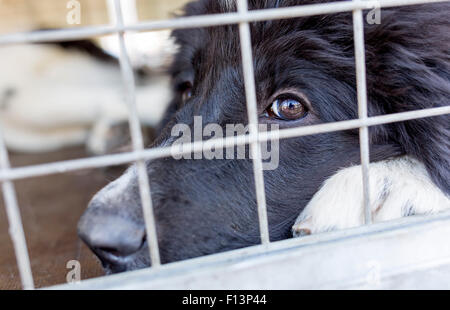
287, 109
186, 91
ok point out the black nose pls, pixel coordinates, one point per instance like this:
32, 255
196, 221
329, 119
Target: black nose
111, 237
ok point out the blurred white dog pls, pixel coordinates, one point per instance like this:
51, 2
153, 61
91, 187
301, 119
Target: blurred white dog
52, 97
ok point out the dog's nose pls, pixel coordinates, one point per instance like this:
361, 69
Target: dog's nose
111, 237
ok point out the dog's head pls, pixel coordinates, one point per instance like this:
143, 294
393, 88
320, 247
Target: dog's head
305, 75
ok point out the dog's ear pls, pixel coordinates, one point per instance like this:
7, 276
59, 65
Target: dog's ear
408, 68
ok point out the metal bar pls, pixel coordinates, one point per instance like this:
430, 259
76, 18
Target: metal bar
200, 146
206, 20
306, 263
15, 222
361, 87
250, 95
129, 12
138, 143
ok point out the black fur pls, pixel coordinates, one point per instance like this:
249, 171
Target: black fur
205, 206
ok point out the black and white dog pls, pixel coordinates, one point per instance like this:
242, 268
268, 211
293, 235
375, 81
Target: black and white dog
305, 74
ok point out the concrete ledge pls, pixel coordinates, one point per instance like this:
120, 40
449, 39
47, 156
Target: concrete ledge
409, 253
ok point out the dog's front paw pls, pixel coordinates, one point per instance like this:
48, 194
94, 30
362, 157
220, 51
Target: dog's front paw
398, 187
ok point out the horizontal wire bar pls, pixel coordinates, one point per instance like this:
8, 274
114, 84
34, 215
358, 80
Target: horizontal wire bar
199, 146
205, 20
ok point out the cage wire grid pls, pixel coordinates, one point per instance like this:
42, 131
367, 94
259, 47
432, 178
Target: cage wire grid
139, 154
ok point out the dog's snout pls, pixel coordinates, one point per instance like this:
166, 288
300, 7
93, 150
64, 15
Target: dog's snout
113, 227
111, 237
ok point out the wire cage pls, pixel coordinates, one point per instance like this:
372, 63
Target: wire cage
263, 265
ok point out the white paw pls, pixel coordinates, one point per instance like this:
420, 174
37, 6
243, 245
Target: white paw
398, 187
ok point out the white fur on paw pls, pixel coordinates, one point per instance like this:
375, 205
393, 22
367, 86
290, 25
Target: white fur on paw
398, 187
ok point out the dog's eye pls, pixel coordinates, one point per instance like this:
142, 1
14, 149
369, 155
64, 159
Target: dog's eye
186, 91
287, 108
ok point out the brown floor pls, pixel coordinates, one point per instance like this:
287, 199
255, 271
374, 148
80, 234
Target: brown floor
50, 207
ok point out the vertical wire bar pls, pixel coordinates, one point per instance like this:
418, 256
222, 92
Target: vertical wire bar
138, 143
360, 62
250, 93
15, 222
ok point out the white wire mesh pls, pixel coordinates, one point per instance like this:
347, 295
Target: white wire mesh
139, 154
